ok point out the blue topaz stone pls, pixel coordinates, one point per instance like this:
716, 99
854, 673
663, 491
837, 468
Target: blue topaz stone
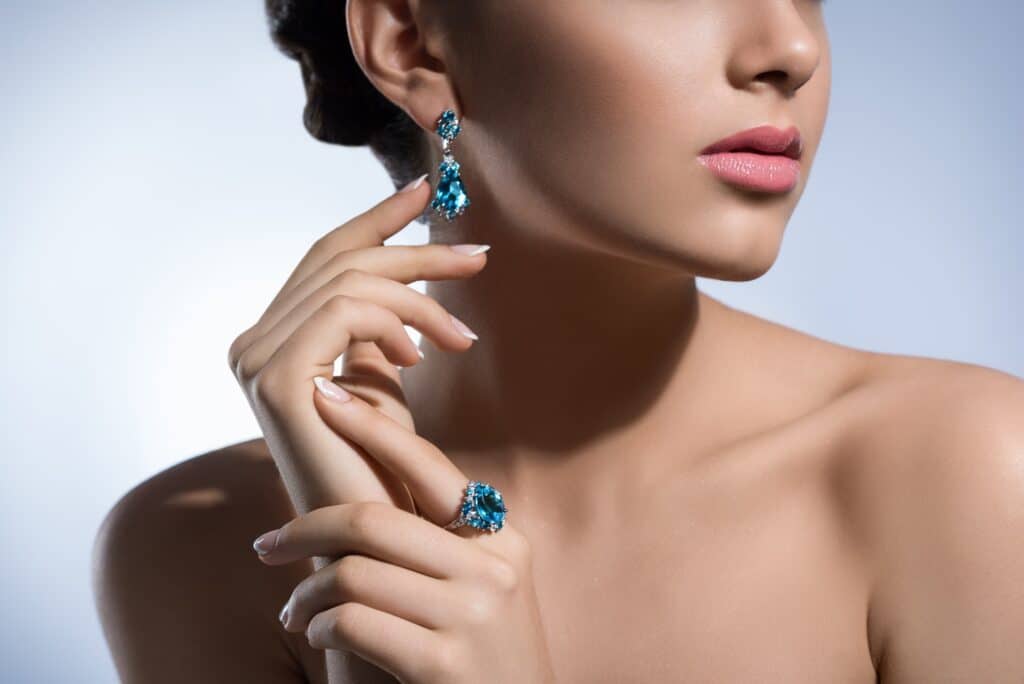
482, 508
450, 198
448, 125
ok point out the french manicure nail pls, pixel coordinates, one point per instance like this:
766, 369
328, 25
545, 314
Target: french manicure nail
413, 184
418, 350
331, 390
463, 328
265, 543
470, 250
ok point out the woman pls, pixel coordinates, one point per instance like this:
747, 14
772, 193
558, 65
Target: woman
681, 491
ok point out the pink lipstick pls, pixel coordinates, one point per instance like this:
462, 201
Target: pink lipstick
764, 158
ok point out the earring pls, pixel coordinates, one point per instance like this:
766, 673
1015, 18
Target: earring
450, 198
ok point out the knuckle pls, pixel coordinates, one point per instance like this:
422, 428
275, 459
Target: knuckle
345, 621
519, 547
336, 260
238, 345
348, 278
501, 575
267, 386
318, 247
324, 248
338, 304
479, 608
313, 630
363, 519
445, 663
247, 366
348, 572
392, 318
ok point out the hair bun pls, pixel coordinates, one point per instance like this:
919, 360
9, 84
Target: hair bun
342, 106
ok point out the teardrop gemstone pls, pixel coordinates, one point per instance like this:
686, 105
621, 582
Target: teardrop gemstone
450, 198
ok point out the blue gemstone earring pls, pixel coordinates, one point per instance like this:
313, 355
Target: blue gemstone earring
450, 198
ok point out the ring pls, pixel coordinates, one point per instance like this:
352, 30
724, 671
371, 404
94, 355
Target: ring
482, 508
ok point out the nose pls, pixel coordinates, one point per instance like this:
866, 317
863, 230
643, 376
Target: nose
775, 47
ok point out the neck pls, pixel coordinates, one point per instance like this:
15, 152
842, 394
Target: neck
577, 348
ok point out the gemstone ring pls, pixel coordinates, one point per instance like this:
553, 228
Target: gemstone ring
482, 508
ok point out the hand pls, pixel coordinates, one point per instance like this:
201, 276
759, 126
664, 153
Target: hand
428, 605
346, 296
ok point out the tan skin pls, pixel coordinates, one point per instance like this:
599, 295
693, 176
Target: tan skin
695, 493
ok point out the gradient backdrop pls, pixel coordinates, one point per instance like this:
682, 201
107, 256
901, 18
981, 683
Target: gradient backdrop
157, 187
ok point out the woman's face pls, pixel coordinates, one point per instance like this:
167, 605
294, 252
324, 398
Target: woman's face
583, 120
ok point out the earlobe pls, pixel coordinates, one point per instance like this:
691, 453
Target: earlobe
389, 45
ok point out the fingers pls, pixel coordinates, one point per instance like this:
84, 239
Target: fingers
320, 339
406, 594
370, 528
318, 466
411, 306
401, 263
402, 648
434, 481
369, 228
397, 263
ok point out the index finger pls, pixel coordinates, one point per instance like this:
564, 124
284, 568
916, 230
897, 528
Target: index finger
367, 229
434, 481
370, 528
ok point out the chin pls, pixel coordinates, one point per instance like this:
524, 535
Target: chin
737, 271
743, 243
745, 257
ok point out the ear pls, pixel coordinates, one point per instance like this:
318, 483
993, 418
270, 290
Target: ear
399, 46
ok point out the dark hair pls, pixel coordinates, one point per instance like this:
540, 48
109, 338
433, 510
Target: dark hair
342, 105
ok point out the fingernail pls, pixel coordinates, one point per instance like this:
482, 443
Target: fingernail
330, 389
265, 543
283, 615
470, 250
463, 329
418, 350
413, 184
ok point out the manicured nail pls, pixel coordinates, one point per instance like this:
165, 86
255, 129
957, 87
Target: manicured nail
470, 250
265, 543
413, 184
463, 328
330, 389
418, 350
283, 615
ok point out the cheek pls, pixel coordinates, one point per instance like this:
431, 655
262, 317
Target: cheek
601, 108
589, 115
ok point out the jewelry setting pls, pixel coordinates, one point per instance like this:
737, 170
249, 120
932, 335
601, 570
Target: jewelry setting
450, 200
482, 508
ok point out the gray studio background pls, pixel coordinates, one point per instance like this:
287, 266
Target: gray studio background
157, 187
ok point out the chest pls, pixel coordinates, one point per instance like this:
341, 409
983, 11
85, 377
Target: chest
732, 591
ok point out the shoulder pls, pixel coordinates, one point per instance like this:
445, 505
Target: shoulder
180, 593
937, 483
940, 413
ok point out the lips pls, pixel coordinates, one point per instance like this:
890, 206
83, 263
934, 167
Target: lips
762, 140
763, 159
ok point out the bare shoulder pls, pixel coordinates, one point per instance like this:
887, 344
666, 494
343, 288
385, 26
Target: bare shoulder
180, 593
934, 471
